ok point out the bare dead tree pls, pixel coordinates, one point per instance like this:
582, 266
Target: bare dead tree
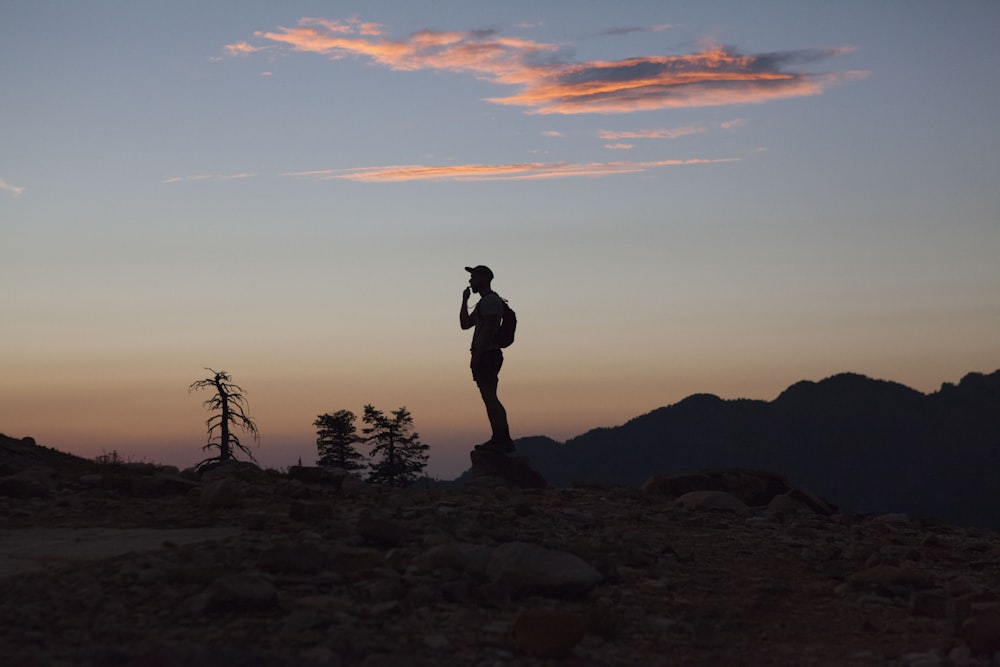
229, 410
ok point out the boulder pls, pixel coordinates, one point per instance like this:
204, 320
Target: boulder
753, 487
524, 568
512, 470
711, 500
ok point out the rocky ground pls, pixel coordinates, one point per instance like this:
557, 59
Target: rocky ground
325, 570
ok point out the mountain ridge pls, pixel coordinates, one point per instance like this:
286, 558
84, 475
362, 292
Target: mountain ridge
865, 444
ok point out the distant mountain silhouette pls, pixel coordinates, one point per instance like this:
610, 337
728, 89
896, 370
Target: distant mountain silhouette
866, 445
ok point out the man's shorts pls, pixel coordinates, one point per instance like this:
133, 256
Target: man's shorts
487, 370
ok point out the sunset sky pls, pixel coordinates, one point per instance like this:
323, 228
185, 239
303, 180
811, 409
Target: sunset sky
684, 197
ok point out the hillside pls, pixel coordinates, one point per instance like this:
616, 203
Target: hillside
25, 453
864, 444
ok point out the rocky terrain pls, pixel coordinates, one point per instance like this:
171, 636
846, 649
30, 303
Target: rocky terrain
727, 568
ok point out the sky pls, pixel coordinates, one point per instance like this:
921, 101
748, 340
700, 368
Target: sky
675, 198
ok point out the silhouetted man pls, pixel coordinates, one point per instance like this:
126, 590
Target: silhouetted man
487, 358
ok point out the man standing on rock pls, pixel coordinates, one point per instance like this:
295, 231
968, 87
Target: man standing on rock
487, 358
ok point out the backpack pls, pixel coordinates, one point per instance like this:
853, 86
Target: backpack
508, 325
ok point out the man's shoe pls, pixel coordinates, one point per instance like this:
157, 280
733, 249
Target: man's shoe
499, 446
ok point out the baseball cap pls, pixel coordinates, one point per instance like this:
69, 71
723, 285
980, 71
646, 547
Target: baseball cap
485, 270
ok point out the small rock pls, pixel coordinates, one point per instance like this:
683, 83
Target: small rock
929, 603
293, 558
891, 579
92, 480
785, 504
382, 532
548, 633
219, 494
964, 585
355, 560
982, 630
235, 592
436, 642
309, 511
711, 500
961, 656
924, 659
457, 556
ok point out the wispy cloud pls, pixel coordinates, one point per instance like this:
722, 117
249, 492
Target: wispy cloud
548, 83
15, 190
552, 133
242, 49
619, 147
208, 177
616, 32
666, 133
485, 172
733, 124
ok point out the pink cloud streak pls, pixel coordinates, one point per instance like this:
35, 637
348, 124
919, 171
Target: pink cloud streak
483, 172
209, 177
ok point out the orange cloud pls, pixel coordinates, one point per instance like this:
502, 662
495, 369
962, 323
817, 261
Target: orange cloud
619, 147
548, 84
712, 77
483, 172
242, 49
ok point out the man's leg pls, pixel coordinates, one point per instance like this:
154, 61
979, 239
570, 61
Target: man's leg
497, 415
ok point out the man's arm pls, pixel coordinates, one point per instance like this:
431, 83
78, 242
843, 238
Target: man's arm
464, 318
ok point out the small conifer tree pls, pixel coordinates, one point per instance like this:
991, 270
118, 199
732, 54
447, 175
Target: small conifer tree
336, 436
401, 457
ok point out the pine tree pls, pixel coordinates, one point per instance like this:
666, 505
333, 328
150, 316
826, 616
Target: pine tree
336, 436
402, 457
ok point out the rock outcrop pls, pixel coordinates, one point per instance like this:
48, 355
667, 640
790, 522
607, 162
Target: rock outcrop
496, 468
